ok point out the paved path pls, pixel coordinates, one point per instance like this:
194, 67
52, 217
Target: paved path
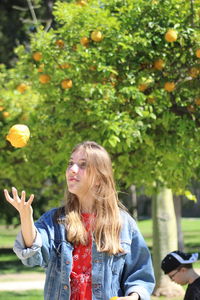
22, 282
16, 282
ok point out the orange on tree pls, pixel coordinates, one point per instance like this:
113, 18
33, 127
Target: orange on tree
65, 66
159, 64
194, 72
97, 36
197, 53
60, 43
18, 135
142, 87
44, 78
6, 114
191, 108
151, 100
197, 101
37, 56
169, 86
81, 3
41, 68
84, 41
66, 83
171, 35
1, 108
22, 87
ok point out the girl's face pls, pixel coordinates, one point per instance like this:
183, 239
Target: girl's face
76, 174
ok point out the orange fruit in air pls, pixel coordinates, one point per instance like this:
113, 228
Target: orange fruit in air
66, 83
198, 53
84, 41
114, 298
60, 43
159, 64
169, 86
22, 88
44, 78
97, 36
171, 35
18, 135
37, 56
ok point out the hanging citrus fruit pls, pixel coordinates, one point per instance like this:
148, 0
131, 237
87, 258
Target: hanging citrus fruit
171, 35
97, 36
18, 135
37, 56
169, 86
44, 78
198, 53
22, 87
66, 83
84, 41
159, 64
81, 3
60, 43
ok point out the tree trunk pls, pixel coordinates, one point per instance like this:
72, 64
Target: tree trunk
134, 211
164, 239
177, 207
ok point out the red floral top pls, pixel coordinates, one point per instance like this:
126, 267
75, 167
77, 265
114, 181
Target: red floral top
81, 275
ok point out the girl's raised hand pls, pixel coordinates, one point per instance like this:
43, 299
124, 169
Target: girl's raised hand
22, 206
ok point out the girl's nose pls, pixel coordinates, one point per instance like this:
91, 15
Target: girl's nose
74, 168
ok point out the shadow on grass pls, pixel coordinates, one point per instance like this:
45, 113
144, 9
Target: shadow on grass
10, 263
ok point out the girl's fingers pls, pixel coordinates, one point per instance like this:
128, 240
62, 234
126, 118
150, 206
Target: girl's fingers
7, 196
30, 200
16, 199
23, 196
15, 194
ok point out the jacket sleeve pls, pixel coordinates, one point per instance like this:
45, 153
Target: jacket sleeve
138, 274
39, 253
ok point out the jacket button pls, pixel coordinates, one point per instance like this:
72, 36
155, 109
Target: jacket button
65, 287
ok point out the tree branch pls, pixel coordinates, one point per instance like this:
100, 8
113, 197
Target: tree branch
31, 8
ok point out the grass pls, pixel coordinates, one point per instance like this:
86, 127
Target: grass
190, 228
38, 295
23, 295
9, 263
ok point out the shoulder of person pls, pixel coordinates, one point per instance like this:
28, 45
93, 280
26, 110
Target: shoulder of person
50, 215
128, 220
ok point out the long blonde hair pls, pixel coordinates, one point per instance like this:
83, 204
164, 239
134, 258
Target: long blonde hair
107, 224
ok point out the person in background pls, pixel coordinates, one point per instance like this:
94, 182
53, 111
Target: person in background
91, 247
178, 266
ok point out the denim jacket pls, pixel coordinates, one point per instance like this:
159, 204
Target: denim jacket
112, 275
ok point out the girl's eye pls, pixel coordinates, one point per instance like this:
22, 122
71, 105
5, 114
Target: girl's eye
70, 164
82, 165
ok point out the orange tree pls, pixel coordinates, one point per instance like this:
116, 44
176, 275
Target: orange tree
122, 73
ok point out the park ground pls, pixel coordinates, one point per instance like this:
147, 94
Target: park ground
20, 282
